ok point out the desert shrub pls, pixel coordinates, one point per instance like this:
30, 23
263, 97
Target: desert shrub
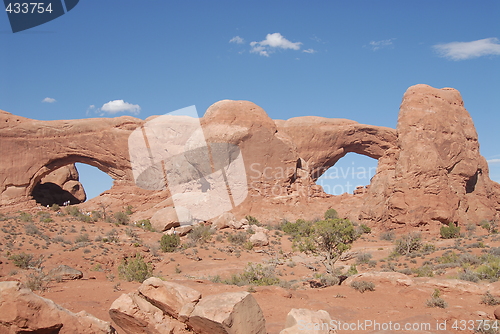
327, 238
82, 238
352, 270
328, 280
388, 236
121, 218
145, 224
489, 226
428, 248
364, 229
469, 259
32, 230
169, 242
494, 251
201, 233
248, 245
36, 282
363, 286
252, 220
73, 211
135, 269
22, 260
424, 271
409, 243
255, 274
238, 238
489, 299
25, 217
129, 210
436, 300
448, 257
451, 231
331, 214
363, 258
300, 228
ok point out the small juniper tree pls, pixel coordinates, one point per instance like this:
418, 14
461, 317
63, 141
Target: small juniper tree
328, 238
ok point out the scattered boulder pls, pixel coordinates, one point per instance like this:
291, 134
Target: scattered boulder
65, 272
173, 299
225, 220
304, 321
181, 230
22, 311
259, 239
136, 315
166, 218
228, 313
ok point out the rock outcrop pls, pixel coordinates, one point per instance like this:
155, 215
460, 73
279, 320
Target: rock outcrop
21, 311
430, 170
160, 307
59, 187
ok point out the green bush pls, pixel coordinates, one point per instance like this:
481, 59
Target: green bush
363, 286
145, 224
365, 229
331, 214
489, 299
388, 236
135, 269
73, 211
201, 233
22, 260
255, 274
169, 242
238, 238
436, 300
121, 218
450, 232
25, 217
252, 220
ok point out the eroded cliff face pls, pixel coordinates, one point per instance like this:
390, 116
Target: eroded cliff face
430, 170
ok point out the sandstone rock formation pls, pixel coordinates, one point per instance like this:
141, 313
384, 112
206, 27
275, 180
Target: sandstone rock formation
160, 307
59, 187
430, 170
308, 322
21, 311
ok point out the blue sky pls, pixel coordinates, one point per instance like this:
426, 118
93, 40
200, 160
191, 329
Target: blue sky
339, 59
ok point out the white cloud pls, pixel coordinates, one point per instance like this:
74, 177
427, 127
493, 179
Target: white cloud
237, 40
468, 50
273, 42
116, 106
309, 51
377, 45
48, 100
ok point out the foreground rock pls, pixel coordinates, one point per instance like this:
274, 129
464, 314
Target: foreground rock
21, 311
135, 315
304, 321
228, 313
161, 307
65, 272
173, 299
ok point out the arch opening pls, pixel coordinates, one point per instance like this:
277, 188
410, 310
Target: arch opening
72, 183
350, 174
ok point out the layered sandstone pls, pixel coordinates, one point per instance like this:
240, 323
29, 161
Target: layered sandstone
430, 169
